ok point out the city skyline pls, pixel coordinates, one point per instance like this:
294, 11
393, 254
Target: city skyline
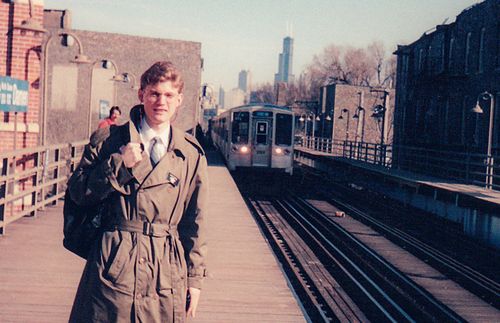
250, 35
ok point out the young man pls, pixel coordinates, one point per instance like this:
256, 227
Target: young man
151, 179
114, 114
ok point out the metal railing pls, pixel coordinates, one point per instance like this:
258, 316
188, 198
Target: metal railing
33, 178
464, 167
367, 152
467, 168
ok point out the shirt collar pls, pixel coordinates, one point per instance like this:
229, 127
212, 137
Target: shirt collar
147, 133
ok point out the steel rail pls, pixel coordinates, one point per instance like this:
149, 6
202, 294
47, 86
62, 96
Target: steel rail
314, 311
370, 284
483, 286
429, 300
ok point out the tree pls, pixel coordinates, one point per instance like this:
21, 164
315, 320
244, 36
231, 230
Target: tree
263, 93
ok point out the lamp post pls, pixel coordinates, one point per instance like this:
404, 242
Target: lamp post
379, 113
106, 64
341, 117
80, 58
489, 158
357, 115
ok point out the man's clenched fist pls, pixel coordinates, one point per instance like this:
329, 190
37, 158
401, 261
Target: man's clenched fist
131, 154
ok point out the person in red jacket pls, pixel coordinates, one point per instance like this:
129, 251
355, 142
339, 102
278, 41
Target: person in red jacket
114, 114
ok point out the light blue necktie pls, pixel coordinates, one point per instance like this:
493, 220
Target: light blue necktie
157, 150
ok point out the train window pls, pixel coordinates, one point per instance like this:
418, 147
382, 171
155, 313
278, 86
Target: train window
261, 133
283, 129
240, 127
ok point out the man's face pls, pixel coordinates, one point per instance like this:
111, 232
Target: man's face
115, 115
161, 101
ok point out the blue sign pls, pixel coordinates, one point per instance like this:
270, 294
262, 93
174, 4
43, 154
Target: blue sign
13, 95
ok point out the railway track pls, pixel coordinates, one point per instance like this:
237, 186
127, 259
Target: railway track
471, 279
436, 241
323, 256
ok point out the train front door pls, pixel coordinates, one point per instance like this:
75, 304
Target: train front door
261, 152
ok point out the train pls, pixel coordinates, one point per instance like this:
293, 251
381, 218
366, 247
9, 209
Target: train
255, 136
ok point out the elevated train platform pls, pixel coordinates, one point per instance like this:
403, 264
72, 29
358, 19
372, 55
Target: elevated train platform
39, 278
475, 207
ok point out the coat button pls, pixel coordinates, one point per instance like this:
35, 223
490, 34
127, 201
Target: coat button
139, 296
142, 261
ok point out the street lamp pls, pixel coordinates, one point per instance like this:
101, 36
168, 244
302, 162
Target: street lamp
106, 64
357, 115
379, 113
127, 77
489, 159
346, 111
80, 58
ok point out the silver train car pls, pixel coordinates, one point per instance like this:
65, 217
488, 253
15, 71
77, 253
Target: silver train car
255, 136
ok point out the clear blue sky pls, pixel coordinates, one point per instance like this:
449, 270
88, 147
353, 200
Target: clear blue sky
247, 34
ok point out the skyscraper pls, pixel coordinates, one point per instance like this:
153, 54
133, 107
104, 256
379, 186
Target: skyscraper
222, 95
285, 62
244, 81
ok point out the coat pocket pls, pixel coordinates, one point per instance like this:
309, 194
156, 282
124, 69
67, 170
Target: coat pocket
119, 262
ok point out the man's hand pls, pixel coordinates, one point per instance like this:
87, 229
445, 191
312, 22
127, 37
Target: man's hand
194, 294
131, 154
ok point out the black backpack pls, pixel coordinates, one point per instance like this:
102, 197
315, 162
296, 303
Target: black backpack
82, 224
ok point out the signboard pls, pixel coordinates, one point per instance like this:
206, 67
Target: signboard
103, 109
13, 95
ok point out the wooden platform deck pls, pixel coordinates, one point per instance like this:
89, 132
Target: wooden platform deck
38, 277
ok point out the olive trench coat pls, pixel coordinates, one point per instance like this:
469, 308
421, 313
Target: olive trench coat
153, 242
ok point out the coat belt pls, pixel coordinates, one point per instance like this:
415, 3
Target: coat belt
157, 230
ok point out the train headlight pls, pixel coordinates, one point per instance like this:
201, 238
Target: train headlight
244, 149
282, 151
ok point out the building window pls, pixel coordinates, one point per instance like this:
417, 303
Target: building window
420, 59
442, 54
481, 51
477, 129
467, 53
496, 132
450, 54
429, 66
463, 120
446, 117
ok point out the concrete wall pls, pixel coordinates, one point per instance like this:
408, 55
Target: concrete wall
68, 121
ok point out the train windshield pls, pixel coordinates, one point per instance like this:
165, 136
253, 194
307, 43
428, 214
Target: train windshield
240, 127
283, 129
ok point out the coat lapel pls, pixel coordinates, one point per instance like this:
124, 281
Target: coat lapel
144, 167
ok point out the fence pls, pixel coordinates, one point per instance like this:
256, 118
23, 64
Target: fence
467, 168
33, 178
362, 151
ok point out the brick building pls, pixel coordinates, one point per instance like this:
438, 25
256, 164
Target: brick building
439, 78
111, 57
20, 48
349, 109
31, 34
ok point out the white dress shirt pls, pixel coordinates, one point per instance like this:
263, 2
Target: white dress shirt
147, 135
